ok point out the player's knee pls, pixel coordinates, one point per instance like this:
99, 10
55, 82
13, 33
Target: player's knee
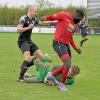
86, 39
38, 54
27, 56
67, 63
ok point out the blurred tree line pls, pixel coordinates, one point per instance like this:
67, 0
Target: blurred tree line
11, 15
94, 22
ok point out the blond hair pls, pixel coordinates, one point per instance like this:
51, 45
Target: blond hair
75, 69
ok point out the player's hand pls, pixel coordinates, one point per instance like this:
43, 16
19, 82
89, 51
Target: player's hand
78, 51
31, 26
43, 19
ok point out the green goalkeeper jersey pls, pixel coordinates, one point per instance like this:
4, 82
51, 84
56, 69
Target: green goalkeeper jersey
42, 72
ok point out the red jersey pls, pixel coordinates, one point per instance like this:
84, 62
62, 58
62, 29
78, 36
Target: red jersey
62, 33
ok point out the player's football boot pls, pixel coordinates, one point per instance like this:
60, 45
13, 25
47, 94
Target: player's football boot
62, 87
20, 80
26, 75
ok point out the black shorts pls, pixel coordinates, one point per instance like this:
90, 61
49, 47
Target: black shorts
28, 46
61, 48
84, 32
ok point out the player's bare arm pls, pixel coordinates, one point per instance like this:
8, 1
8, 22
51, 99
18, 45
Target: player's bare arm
46, 22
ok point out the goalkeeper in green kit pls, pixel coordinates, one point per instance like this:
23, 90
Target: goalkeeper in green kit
43, 69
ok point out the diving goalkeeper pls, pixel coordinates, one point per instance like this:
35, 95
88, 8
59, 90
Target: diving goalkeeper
43, 69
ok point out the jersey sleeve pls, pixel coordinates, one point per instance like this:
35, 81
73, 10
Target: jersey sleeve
35, 21
71, 27
22, 20
57, 16
70, 80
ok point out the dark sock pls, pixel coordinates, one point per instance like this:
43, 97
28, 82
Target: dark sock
31, 62
86, 39
24, 68
81, 43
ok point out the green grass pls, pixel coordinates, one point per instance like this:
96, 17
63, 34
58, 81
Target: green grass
86, 87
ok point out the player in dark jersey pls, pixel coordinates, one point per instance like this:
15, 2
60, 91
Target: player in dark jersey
28, 48
65, 28
83, 26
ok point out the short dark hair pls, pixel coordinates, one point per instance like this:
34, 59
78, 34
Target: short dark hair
80, 12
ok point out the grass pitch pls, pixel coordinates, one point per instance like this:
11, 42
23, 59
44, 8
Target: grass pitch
86, 87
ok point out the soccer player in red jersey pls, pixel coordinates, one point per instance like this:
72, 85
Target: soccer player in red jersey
63, 37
